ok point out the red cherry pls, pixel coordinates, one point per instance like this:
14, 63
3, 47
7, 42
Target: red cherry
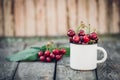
93, 36
47, 53
76, 39
56, 52
81, 33
86, 39
81, 39
58, 57
48, 59
71, 40
52, 56
70, 33
40, 53
63, 51
42, 58
96, 40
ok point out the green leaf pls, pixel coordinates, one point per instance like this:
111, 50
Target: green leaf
43, 48
36, 48
27, 54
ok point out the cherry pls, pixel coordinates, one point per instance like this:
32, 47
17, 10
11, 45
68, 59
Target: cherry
93, 36
47, 53
56, 52
81, 39
71, 40
86, 39
76, 39
48, 59
52, 56
81, 33
42, 58
58, 57
70, 33
96, 40
63, 51
40, 53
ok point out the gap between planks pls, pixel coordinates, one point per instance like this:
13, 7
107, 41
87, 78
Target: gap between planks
25, 45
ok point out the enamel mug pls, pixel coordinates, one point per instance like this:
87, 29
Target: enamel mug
84, 57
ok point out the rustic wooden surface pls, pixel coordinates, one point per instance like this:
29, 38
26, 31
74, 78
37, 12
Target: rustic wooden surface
40, 18
8, 18
1, 18
51, 17
19, 17
30, 18
110, 70
7, 69
54, 17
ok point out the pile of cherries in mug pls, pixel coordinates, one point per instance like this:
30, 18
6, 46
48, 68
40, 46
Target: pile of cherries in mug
83, 35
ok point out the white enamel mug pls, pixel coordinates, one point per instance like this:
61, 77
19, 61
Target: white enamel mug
84, 57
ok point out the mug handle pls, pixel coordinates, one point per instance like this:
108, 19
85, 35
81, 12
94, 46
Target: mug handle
104, 53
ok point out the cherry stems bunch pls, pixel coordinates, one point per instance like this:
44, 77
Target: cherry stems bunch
83, 35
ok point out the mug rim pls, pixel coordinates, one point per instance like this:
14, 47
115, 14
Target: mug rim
83, 44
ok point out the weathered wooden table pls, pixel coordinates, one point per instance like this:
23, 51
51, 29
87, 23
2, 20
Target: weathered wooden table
110, 70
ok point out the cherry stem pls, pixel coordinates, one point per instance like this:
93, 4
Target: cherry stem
78, 28
89, 28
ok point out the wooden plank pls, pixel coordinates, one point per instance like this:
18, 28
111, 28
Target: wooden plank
64, 72
82, 11
35, 71
30, 18
61, 17
51, 18
110, 70
102, 17
109, 15
115, 27
1, 18
40, 17
72, 13
119, 13
7, 69
8, 18
19, 17
93, 13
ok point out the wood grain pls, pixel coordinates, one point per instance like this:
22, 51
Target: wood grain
109, 15
40, 17
30, 28
64, 72
35, 71
19, 16
115, 27
72, 13
26, 18
8, 18
102, 17
7, 69
82, 11
51, 17
110, 70
61, 17
1, 17
93, 13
